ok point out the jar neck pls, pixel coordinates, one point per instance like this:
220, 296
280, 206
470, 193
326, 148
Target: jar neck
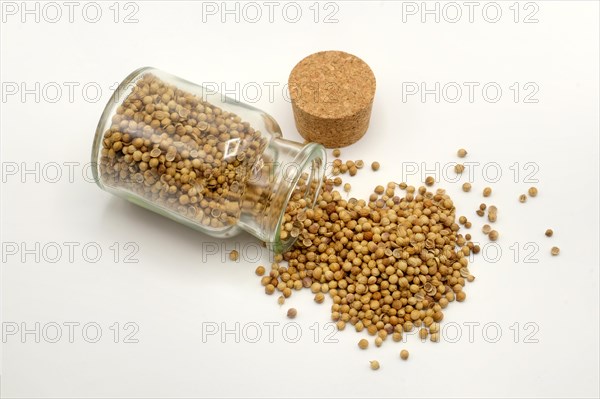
283, 183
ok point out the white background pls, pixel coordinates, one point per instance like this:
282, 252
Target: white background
177, 286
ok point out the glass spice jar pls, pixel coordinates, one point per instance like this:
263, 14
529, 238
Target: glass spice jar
205, 160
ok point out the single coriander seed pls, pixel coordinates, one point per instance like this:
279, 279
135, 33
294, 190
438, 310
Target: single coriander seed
404, 354
429, 181
487, 192
374, 365
466, 187
555, 251
375, 166
522, 198
378, 342
234, 255
319, 297
281, 300
363, 344
347, 187
493, 235
360, 164
459, 168
549, 233
461, 153
533, 192
486, 229
291, 313
336, 152
260, 271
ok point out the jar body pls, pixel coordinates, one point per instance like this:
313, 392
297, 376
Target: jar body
204, 159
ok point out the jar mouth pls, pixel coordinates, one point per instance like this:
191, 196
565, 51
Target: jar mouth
305, 183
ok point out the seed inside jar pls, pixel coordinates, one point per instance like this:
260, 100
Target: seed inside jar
175, 149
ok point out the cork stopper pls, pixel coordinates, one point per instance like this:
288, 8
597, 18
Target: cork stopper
332, 95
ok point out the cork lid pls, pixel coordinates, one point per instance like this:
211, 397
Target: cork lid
332, 96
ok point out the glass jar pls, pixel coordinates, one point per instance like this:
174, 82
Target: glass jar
205, 160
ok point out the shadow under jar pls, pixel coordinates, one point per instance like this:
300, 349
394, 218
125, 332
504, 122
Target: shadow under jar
205, 160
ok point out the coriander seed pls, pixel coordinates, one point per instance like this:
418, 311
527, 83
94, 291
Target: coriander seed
374, 365
549, 233
234, 255
466, 187
486, 229
429, 180
493, 236
404, 354
459, 168
291, 313
375, 166
378, 342
487, 192
347, 187
319, 297
461, 153
363, 344
555, 251
522, 198
336, 152
260, 271
533, 192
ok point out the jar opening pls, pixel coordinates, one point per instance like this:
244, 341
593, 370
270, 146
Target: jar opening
305, 177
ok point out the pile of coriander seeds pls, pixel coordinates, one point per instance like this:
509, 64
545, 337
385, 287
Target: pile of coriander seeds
390, 264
